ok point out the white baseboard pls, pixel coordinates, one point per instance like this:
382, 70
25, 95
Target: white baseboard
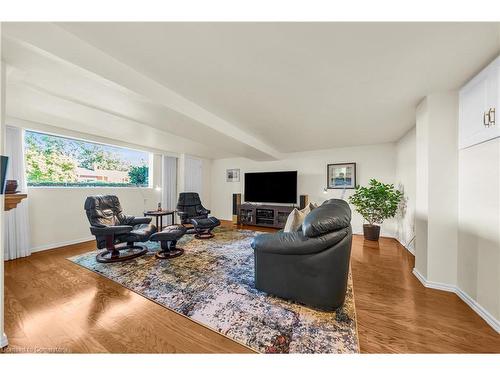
411, 251
3, 340
60, 244
433, 284
476, 307
481, 311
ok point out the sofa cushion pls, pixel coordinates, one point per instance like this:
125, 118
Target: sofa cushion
206, 223
332, 215
141, 233
170, 233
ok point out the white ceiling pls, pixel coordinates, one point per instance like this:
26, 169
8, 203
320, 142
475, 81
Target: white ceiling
247, 89
41, 86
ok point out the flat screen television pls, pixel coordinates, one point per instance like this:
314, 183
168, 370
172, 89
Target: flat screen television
4, 160
271, 187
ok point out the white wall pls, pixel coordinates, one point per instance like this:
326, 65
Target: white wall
57, 217
422, 181
373, 161
479, 225
437, 188
443, 188
406, 179
457, 209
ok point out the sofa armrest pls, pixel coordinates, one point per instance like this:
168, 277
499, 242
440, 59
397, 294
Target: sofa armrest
111, 230
295, 243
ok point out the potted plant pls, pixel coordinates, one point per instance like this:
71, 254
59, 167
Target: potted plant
376, 202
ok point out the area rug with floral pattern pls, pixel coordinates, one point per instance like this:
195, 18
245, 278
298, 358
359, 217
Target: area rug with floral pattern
213, 284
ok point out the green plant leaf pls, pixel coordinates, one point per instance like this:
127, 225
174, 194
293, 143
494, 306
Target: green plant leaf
376, 202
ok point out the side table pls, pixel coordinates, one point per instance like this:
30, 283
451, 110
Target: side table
159, 217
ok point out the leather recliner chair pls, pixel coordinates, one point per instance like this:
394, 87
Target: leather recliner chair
189, 207
111, 227
310, 266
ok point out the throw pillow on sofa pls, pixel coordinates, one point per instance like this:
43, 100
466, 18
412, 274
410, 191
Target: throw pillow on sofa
311, 206
294, 221
307, 210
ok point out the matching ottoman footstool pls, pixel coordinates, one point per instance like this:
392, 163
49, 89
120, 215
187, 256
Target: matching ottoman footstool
168, 238
203, 227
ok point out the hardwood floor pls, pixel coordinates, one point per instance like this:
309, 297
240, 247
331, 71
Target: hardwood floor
53, 305
397, 314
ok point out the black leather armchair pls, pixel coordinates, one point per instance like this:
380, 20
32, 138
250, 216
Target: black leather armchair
310, 266
111, 227
189, 207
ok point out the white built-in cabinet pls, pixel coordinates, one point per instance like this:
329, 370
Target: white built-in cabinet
479, 103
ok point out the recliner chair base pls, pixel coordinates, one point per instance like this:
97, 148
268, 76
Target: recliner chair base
169, 253
115, 255
205, 235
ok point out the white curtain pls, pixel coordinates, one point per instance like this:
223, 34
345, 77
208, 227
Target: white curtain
193, 175
169, 184
17, 237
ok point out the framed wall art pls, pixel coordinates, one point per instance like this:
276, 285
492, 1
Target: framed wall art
341, 176
232, 175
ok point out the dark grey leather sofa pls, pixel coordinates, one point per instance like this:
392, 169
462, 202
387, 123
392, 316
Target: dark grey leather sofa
310, 266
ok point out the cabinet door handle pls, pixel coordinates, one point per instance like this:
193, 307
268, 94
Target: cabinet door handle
486, 119
491, 117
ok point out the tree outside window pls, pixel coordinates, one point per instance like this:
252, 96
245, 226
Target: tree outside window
58, 161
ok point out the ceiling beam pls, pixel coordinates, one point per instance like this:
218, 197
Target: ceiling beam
50, 39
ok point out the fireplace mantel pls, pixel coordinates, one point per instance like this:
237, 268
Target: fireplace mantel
12, 200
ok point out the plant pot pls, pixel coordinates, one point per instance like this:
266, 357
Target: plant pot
371, 232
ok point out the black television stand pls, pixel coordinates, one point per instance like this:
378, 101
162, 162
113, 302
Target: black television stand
263, 215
